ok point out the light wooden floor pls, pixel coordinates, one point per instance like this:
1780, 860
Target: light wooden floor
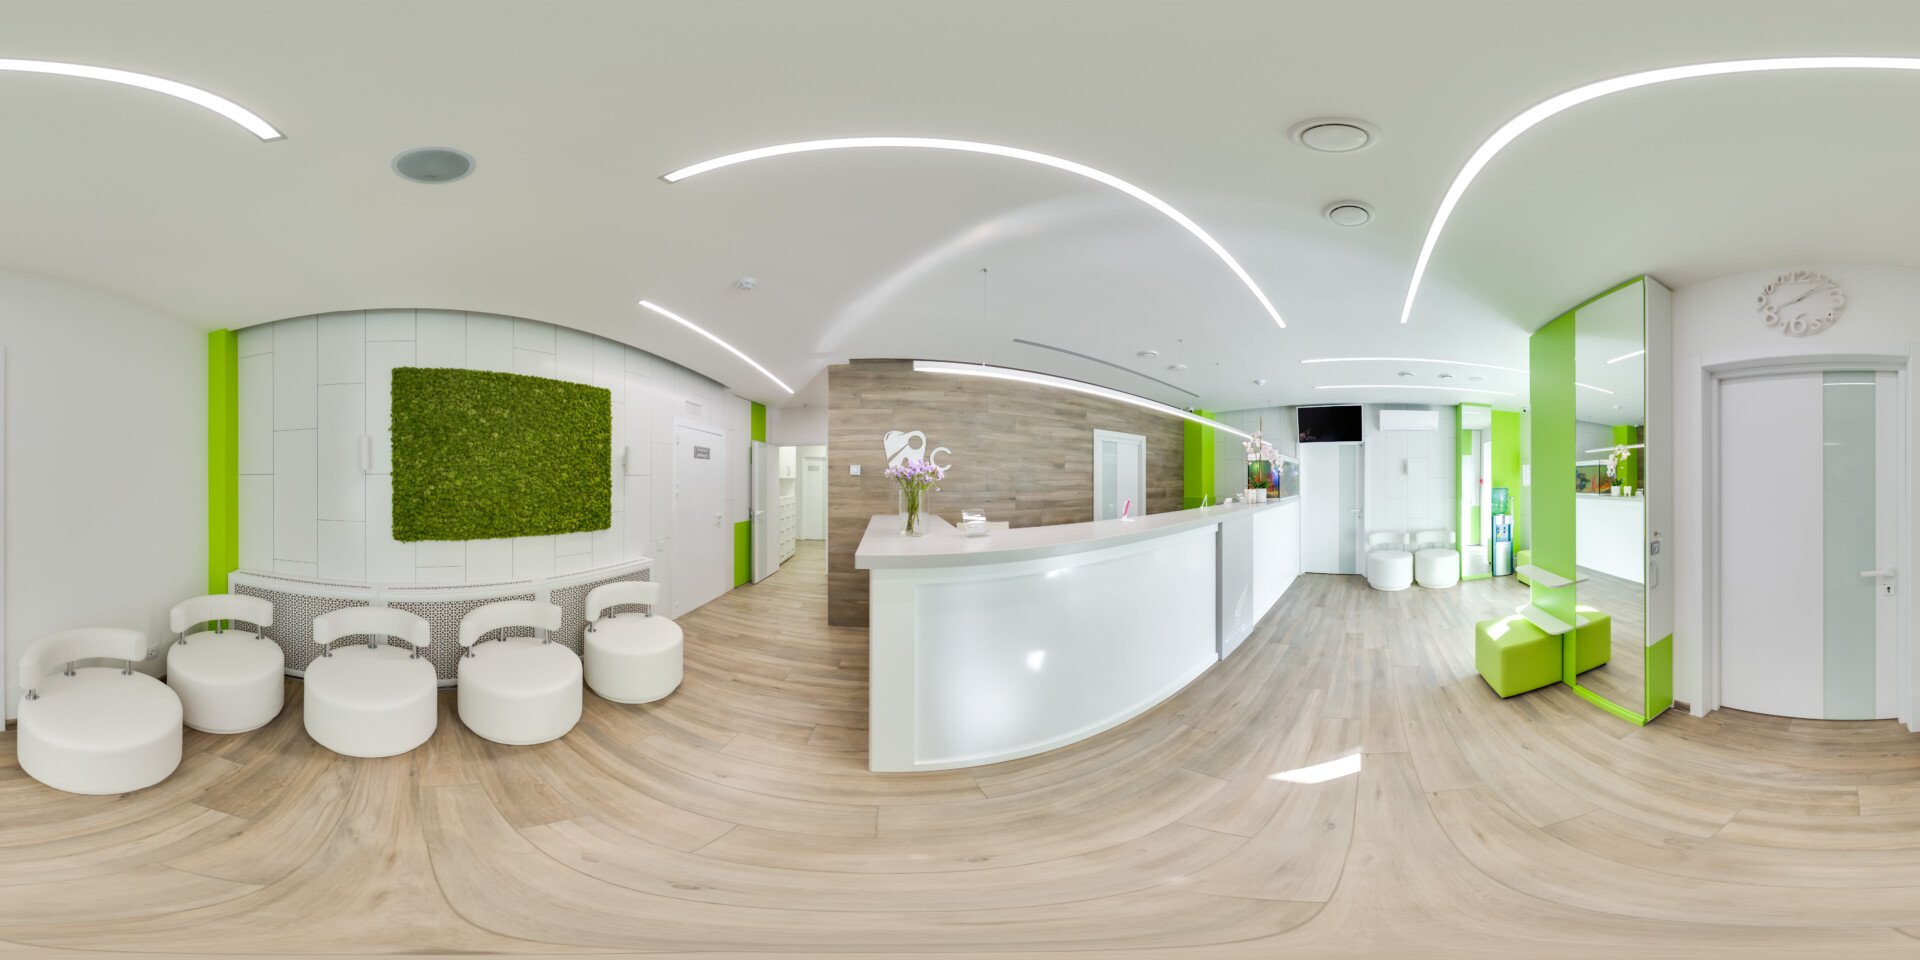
737, 816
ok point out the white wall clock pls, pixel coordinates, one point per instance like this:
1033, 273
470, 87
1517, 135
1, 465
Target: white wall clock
1801, 303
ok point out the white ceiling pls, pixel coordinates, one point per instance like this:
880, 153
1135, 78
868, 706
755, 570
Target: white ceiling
574, 110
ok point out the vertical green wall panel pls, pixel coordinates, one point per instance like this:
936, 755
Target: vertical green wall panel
1550, 392
759, 430
743, 531
223, 458
1506, 465
1198, 452
1660, 676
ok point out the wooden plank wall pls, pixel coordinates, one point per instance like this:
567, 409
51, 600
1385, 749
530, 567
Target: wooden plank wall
1022, 452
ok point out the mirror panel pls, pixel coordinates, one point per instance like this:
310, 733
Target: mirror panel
1610, 495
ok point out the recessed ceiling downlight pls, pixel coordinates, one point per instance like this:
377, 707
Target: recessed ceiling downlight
1349, 213
433, 164
1332, 134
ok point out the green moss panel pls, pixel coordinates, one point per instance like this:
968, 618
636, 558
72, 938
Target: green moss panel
223, 458
479, 455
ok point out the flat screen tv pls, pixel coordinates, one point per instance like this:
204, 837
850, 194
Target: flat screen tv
1330, 424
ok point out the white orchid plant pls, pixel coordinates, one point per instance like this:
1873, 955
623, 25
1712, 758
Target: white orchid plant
1620, 453
1259, 449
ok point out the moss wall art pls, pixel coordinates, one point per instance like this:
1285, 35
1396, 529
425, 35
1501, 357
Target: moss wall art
480, 455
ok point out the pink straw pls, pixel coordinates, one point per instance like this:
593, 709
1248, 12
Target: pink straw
1126, 509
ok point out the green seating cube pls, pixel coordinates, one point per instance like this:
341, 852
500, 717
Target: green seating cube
1522, 558
1593, 643
1515, 656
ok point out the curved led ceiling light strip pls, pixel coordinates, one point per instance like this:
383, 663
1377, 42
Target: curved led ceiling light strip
1077, 386
1410, 386
1594, 91
696, 328
1451, 363
172, 88
1015, 153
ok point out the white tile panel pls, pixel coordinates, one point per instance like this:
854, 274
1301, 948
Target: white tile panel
390, 324
382, 357
442, 339
662, 460
388, 560
342, 339
610, 367
294, 508
638, 518
256, 523
533, 363
618, 489
440, 553
639, 424
644, 363
573, 563
295, 356
662, 520
667, 404
255, 390
343, 551
573, 355
342, 489
290, 568
532, 557
489, 561
489, 342
255, 340
569, 544
442, 574
607, 543
532, 335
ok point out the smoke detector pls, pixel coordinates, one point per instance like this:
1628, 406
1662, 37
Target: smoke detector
746, 283
1260, 382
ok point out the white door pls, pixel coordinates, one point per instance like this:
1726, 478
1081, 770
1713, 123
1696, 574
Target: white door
1119, 475
766, 510
702, 539
1809, 480
1331, 521
812, 502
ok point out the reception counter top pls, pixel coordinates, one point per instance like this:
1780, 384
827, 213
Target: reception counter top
884, 548
984, 649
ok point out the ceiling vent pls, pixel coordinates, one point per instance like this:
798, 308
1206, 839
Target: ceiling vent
1391, 420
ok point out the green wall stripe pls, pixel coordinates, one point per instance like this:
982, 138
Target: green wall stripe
1550, 396
742, 552
1506, 467
759, 431
223, 458
1660, 677
1197, 455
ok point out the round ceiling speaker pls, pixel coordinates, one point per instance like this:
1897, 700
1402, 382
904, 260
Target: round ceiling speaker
1349, 213
1333, 134
433, 164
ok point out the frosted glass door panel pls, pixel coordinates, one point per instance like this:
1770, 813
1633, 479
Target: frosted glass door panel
1109, 480
1848, 544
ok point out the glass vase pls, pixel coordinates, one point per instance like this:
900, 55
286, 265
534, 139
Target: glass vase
913, 513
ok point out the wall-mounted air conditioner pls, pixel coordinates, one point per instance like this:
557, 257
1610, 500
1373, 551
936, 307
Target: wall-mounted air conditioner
1409, 420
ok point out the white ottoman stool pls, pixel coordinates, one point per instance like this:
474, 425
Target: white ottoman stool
98, 730
229, 681
376, 700
631, 659
1388, 566
1435, 565
517, 690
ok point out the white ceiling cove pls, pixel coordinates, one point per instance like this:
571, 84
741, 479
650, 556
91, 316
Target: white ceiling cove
574, 111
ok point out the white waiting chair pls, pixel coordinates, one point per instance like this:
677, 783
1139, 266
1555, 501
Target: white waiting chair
99, 730
376, 699
517, 690
631, 659
1389, 564
1436, 565
229, 681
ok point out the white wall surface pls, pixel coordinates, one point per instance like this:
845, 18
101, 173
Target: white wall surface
795, 426
1410, 473
311, 387
106, 463
1715, 321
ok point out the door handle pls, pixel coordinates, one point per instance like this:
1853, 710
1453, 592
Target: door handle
1876, 573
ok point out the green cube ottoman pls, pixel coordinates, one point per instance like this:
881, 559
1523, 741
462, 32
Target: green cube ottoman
1522, 558
1514, 655
1593, 643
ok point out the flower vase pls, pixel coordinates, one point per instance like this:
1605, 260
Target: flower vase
913, 514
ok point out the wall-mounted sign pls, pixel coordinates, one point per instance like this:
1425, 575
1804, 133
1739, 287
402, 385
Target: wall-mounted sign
900, 447
703, 453
1801, 303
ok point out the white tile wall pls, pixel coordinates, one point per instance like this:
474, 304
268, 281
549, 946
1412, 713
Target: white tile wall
312, 388
1410, 474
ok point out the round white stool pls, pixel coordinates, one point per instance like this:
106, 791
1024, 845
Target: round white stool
517, 690
376, 700
229, 681
97, 730
1435, 565
1388, 567
631, 659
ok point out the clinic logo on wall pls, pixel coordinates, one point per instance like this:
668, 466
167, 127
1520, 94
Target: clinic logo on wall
901, 447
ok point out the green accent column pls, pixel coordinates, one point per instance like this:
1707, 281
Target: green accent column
1628, 472
1550, 393
223, 458
743, 531
1198, 456
1506, 466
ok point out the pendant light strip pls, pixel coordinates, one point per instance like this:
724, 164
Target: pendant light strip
1077, 386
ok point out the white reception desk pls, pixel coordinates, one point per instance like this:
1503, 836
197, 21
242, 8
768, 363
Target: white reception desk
1609, 534
993, 648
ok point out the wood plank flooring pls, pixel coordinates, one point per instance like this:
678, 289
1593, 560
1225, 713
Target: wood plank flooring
737, 817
